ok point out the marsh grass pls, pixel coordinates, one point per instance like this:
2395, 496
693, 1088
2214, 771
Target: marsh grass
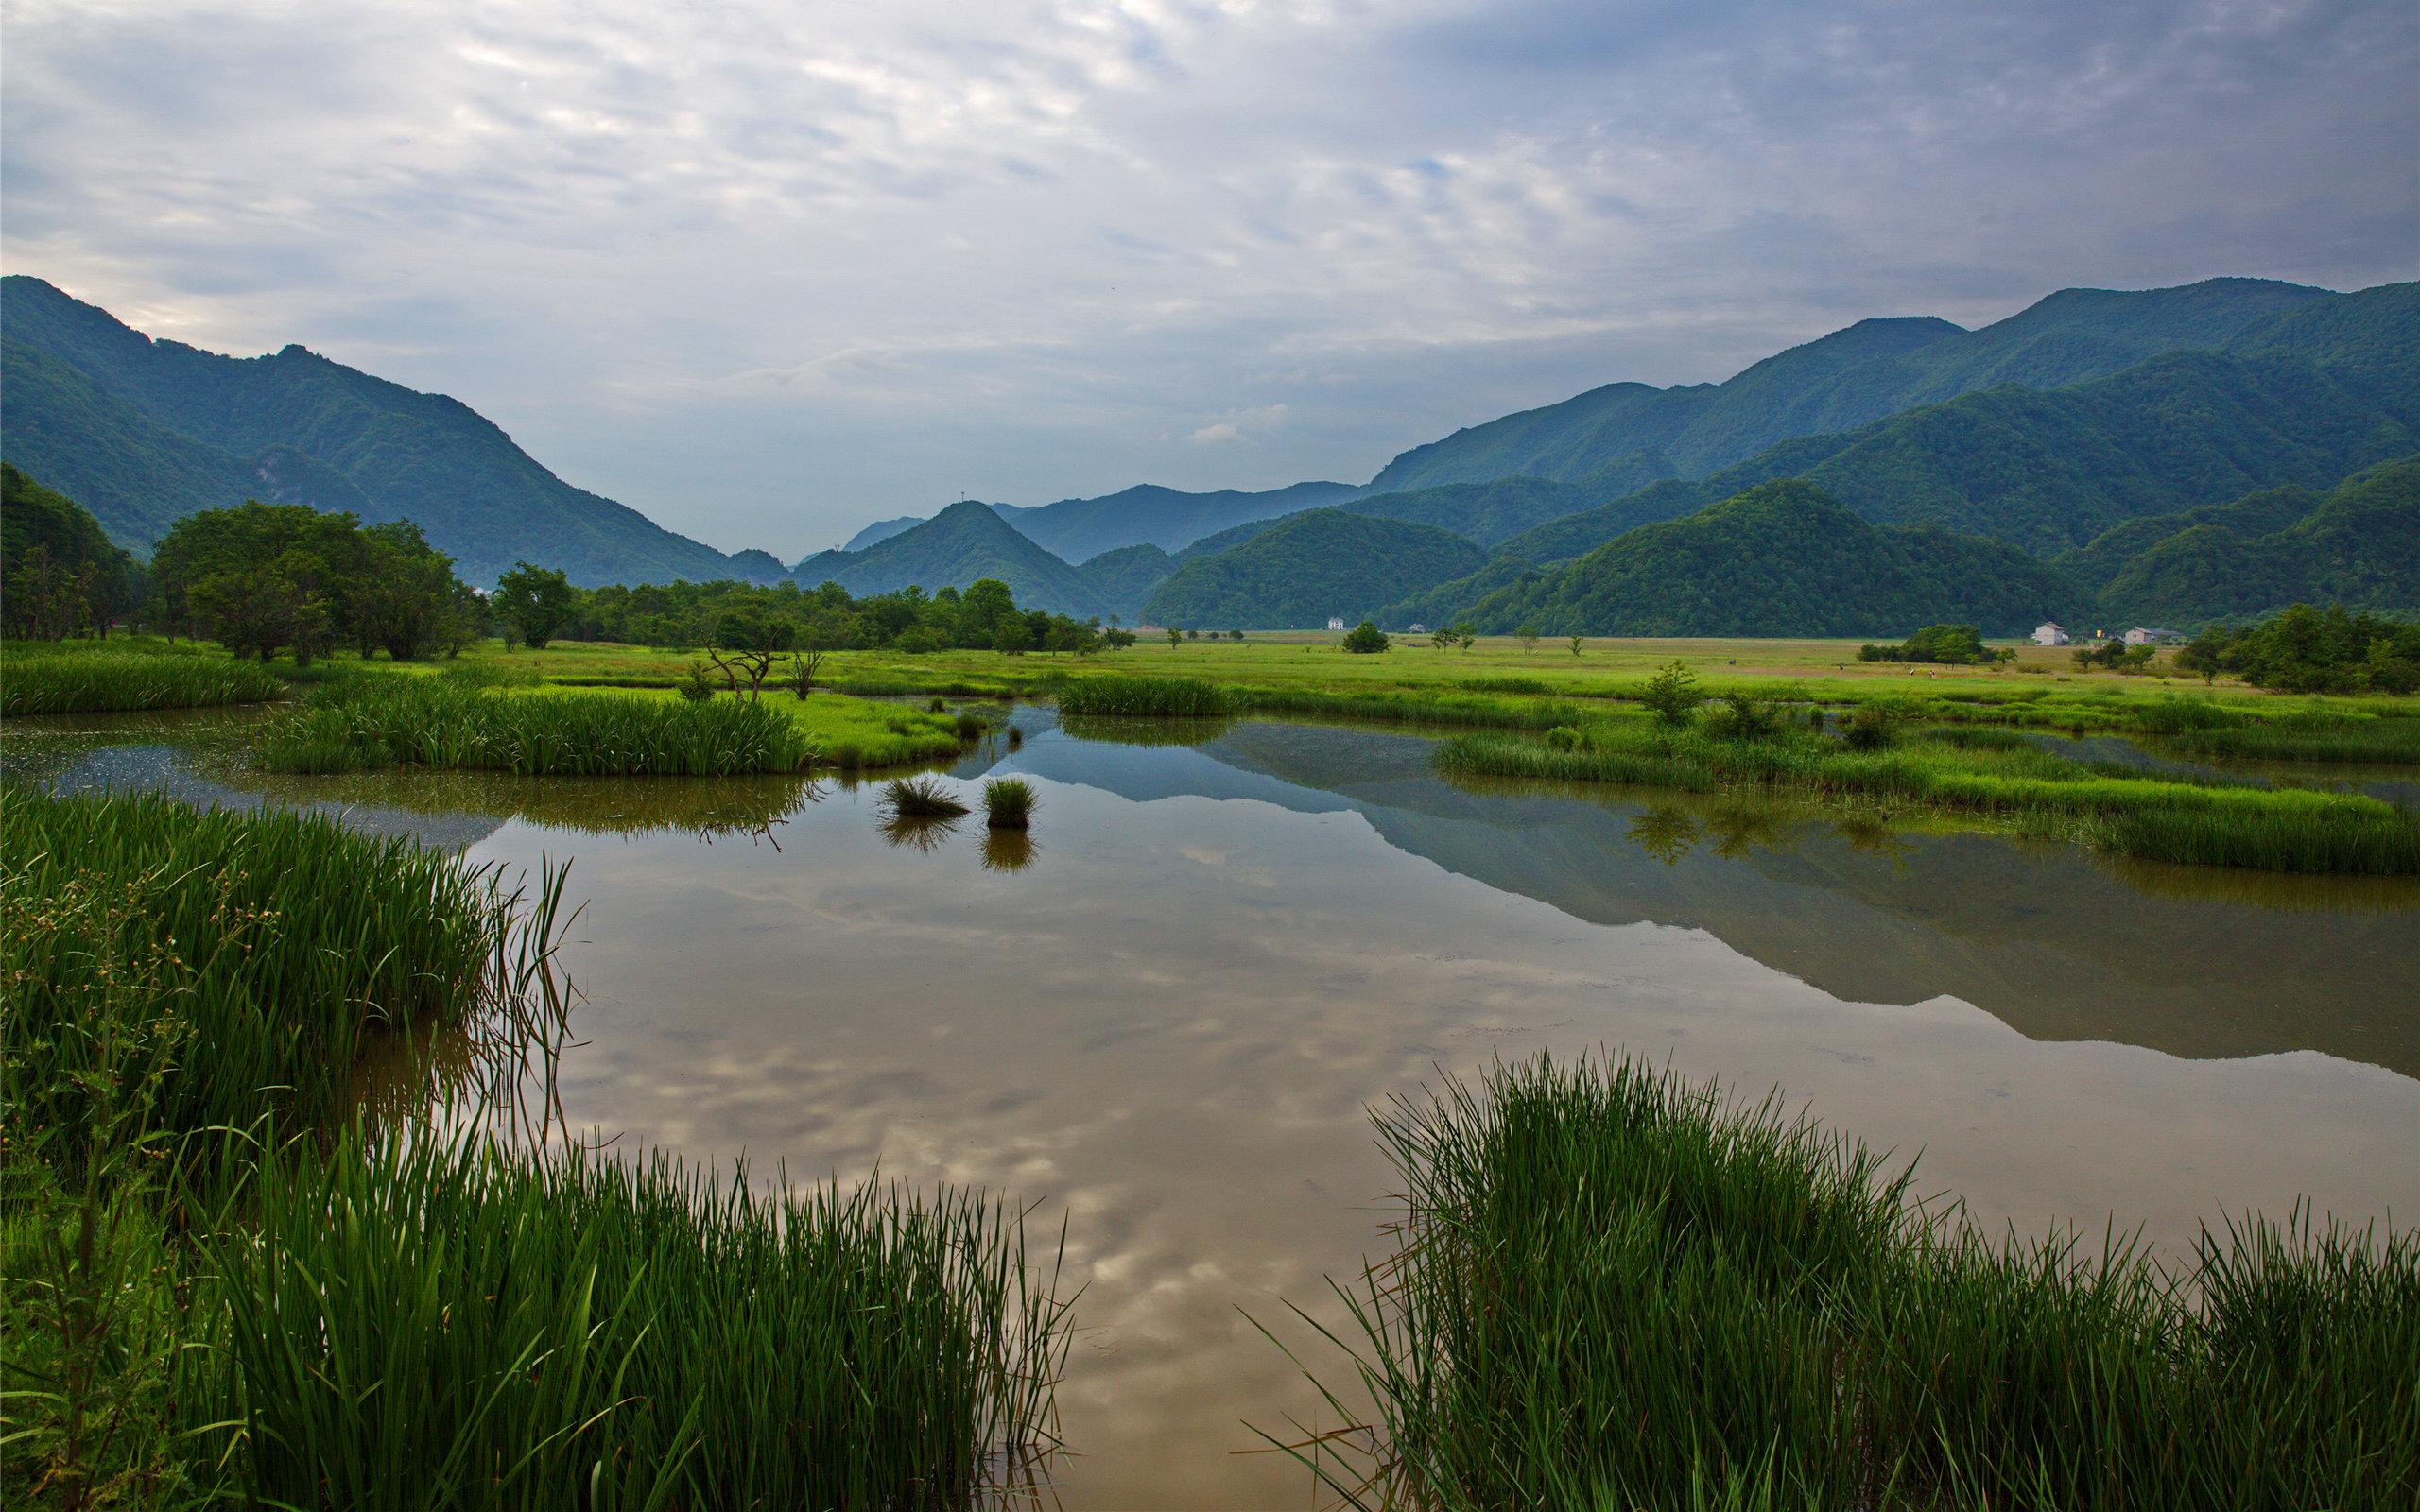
1617, 1289
920, 798
43, 678
1132, 696
226, 1283
372, 721
2207, 822
439, 1322
1009, 803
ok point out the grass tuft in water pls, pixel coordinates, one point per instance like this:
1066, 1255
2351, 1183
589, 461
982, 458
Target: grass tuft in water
920, 798
47, 678
1009, 803
1160, 698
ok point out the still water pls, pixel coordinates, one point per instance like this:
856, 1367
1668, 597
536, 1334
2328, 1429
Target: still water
1162, 1021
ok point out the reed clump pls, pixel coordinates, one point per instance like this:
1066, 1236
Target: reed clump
44, 677
920, 798
1617, 1289
369, 722
1156, 697
1009, 803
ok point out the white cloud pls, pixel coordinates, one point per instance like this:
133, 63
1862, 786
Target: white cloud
767, 270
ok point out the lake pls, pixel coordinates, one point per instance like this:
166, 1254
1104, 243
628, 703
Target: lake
1162, 1022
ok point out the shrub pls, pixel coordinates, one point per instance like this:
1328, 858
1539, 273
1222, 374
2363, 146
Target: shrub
1869, 728
1366, 639
699, 687
919, 797
1562, 737
1673, 695
1009, 803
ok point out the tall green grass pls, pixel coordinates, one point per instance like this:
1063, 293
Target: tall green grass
1162, 697
1617, 1290
421, 1323
248, 955
365, 723
2211, 823
1009, 803
39, 677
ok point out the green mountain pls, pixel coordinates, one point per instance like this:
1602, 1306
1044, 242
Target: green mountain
71, 541
952, 549
1080, 529
1304, 568
1783, 558
2358, 547
1125, 577
1492, 512
1850, 379
2315, 397
146, 432
881, 530
1451, 600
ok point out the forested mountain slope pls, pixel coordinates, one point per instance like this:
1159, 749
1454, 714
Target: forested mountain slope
145, 432
1308, 567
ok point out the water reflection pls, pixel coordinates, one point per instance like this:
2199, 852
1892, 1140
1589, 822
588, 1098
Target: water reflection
1168, 1036
919, 831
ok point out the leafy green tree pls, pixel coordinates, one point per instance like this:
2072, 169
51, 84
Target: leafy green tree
1528, 636
59, 575
535, 601
1176, 637
1011, 637
1575, 644
1673, 695
1366, 639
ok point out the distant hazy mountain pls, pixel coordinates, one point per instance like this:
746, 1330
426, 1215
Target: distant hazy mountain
146, 432
952, 549
1846, 380
881, 530
1783, 558
1308, 567
1078, 530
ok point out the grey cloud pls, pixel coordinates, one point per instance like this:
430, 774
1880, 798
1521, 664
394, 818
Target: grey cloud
1045, 249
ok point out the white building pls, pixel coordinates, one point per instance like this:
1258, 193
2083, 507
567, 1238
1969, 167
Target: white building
1335, 622
2049, 633
2152, 635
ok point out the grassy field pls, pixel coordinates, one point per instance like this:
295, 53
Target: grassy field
125, 672
1617, 1290
224, 1287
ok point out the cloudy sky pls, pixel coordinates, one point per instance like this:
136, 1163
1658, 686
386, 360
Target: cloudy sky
770, 271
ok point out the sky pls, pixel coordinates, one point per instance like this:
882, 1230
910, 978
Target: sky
770, 271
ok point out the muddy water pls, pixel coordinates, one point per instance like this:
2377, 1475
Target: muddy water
1162, 1022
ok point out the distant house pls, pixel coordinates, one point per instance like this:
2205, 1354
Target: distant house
1335, 622
2153, 635
2049, 632
1418, 629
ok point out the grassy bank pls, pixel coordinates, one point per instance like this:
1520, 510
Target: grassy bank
1615, 1290
1992, 774
98, 676
223, 1286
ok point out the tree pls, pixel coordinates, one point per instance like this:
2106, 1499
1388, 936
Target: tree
1574, 645
1464, 635
1673, 695
1444, 637
1176, 637
1366, 639
59, 573
1012, 637
537, 600
1528, 637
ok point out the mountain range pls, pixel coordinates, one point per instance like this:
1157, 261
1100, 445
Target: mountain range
2182, 453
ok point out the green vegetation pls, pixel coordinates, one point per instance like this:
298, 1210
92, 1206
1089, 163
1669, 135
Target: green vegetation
2310, 650
408, 1310
785, 618
1307, 567
1747, 1311
263, 578
920, 798
58, 574
1365, 639
2165, 818
1123, 579
145, 432
1170, 518
1161, 697
1783, 557
1942, 644
1009, 803
72, 676
360, 724
1501, 508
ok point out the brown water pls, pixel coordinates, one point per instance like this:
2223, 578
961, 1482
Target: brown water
1163, 1022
